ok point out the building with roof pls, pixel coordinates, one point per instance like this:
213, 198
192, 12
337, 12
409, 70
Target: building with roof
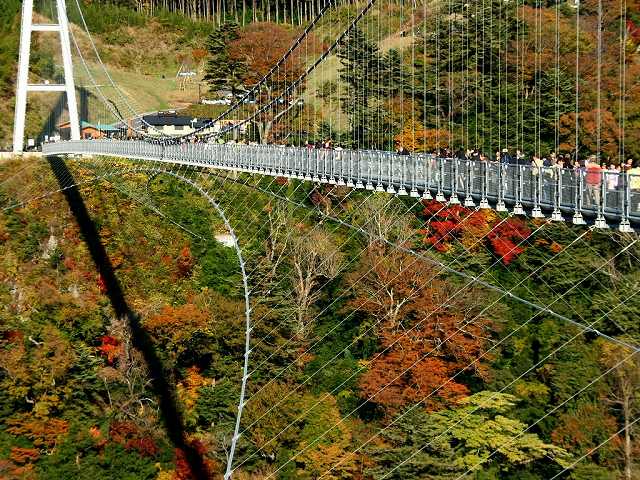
88, 130
172, 124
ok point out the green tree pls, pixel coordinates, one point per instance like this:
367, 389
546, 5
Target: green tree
465, 90
222, 70
623, 393
477, 435
8, 43
360, 60
393, 77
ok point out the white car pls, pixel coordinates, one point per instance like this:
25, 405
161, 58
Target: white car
218, 101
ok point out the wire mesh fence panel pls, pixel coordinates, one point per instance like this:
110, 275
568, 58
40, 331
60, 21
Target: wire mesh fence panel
529, 193
613, 196
510, 182
446, 170
432, 172
398, 171
493, 180
568, 192
634, 196
477, 178
459, 172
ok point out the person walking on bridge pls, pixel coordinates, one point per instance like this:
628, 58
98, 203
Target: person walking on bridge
633, 175
593, 179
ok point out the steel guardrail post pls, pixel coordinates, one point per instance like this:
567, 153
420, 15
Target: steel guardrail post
390, 186
577, 218
537, 210
440, 178
600, 221
369, 185
455, 172
518, 209
625, 225
500, 206
379, 187
414, 177
426, 194
468, 187
484, 201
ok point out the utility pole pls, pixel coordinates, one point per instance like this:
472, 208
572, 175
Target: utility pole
23, 87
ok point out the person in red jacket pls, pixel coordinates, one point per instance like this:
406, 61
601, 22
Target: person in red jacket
593, 179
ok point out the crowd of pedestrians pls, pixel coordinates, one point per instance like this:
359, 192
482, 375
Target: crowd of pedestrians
598, 176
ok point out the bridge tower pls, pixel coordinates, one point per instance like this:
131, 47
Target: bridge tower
23, 87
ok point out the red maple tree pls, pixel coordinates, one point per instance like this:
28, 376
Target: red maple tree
131, 437
449, 225
506, 238
185, 262
109, 348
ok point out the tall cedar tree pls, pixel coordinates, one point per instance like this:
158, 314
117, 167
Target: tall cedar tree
223, 71
393, 78
468, 59
360, 60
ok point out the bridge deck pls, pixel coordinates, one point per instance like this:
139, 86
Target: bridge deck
564, 194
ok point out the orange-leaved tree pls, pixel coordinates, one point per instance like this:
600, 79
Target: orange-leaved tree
454, 225
415, 138
427, 332
259, 47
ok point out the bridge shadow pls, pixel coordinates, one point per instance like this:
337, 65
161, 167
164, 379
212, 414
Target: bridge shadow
164, 390
50, 124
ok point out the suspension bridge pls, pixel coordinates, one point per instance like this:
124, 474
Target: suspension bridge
590, 195
561, 194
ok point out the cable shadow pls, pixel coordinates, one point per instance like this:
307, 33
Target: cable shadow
164, 390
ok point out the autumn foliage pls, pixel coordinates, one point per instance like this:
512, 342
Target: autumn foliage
261, 45
423, 343
102, 286
449, 225
415, 138
109, 348
505, 238
130, 437
184, 262
24, 455
183, 469
634, 31
188, 388
175, 321
44, 433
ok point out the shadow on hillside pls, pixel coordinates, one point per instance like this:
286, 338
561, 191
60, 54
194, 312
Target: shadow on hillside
59, 111
165, 392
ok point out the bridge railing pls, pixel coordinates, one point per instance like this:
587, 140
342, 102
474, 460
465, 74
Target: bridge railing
604, 196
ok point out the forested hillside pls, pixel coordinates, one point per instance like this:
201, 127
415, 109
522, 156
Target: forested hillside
489, 77
9, 37
295, 12
392, 337
91, 391
452, 74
